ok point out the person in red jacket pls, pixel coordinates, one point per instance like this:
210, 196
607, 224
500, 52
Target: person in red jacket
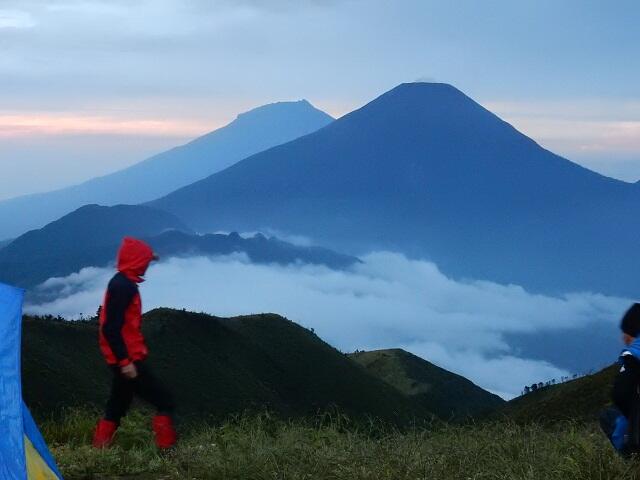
125, 351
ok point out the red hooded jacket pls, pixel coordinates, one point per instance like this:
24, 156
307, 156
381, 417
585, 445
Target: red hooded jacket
121, 340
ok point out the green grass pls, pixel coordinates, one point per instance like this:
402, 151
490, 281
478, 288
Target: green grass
331, 447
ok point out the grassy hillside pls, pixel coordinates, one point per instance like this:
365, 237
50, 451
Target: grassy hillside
581, 399
214, 366
435, 388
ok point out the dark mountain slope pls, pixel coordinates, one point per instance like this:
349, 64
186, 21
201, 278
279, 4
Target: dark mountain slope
258, 248
582, 399
425, 170
435, 388
214, 366
91, 236
251, 132
83, 238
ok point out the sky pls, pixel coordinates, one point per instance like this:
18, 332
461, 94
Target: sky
387, 301
89, 86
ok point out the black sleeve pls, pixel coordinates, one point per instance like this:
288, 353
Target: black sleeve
119, 295
625, 386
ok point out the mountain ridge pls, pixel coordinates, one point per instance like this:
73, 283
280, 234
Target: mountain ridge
215, 367
258, 129
577, 400
90, 237
437, 389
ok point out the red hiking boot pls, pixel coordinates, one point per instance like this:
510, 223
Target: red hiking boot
166, 435
105, 431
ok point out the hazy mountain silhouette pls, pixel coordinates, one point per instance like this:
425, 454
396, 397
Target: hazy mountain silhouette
426, 170
91, 235
259, 249
251, 132
77, 240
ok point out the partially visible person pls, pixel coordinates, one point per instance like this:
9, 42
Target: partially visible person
124, 349
621, 423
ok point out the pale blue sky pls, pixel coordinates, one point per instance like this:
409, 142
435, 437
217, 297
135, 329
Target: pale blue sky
88, 86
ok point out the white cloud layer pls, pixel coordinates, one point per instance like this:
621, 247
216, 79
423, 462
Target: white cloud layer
387, 301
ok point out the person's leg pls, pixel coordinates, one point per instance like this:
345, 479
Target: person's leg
119, 401
148, 388
608, 418
615, 427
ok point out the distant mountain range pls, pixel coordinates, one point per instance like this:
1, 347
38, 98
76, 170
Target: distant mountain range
251, 132
258, 248
422, 170
218, 367
91, 235
425, 170
87, 237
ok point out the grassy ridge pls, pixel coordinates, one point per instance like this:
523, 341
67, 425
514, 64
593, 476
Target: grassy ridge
437, 389
578, 400
214, 366
330, 447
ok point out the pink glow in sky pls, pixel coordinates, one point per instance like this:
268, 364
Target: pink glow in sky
81, 98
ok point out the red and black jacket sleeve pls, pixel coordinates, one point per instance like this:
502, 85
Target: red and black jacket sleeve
120, 293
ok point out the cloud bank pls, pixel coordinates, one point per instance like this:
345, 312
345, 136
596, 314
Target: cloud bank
387, 301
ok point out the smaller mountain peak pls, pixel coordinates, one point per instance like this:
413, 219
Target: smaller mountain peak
89, 207
294, 107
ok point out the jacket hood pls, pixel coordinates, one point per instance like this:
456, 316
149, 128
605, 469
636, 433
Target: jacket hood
134, 258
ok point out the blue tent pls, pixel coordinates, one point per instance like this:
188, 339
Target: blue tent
23, 453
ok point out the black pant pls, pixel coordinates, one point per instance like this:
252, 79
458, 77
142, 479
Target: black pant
144, 386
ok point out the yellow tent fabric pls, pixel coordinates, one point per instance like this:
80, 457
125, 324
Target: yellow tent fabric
23, 452
37, 468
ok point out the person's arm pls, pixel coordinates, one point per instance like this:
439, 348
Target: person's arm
625, 385
119, 295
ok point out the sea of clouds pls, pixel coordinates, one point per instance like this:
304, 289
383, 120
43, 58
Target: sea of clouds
386, 301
